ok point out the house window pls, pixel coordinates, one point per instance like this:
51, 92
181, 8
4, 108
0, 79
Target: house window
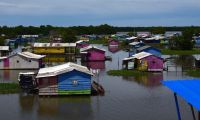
29, 60
75, 82
153, 62
17, 61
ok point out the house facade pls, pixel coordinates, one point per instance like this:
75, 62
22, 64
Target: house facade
54, 48
92, 53
81, 44
66, 79
24, 60
144, 61
4, 50
113, 43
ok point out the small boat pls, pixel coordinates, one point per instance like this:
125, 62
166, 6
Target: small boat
108, 58
27, 82
97, 89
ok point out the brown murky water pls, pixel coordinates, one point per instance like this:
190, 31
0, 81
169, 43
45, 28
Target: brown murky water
126, 98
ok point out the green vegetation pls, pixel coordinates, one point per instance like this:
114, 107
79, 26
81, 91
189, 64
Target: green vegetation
181, 43
6, 88
180, 52
12, 32
2, 41
43, 40
193, 72
126, 73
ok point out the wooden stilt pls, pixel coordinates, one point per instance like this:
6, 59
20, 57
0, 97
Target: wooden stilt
192, 109
198, 115
177, 106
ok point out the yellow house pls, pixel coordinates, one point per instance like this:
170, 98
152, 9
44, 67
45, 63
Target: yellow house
54, 48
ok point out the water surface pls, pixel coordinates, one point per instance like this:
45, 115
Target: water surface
126, 98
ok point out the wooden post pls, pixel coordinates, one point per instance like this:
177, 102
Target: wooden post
177, 106
192, 109
198, 115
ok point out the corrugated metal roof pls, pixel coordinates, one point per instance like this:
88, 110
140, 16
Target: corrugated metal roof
41, 44
80, 41
138, 56
64, 45
197, 57
4, 48
1, 58
141, 55
31, 55
188, 89
91, 47
143, 47
134, 43
129, 58
131, 38
60, 69
54, 45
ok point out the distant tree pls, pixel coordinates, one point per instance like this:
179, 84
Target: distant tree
105, 29
180, 43
2, 41
68, 35
158, 30
131, 33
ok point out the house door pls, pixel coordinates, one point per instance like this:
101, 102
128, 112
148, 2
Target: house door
6, 63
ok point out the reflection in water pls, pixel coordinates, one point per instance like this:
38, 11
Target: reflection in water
11, 75
65, 107
179, 62
151, 79
27, 102
59, 58
95, 67
123, 99
52, 60
184, 60
113, 49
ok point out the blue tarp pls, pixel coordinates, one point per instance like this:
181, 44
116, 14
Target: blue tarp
188, 89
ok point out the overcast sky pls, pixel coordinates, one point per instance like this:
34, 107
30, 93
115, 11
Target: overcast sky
95, 12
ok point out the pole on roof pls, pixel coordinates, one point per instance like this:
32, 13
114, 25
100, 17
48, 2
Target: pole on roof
192, 109
177, 106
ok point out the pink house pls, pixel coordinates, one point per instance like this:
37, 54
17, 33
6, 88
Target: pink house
113, 49
81, 44
113, 43
144, 61
148, 62
92, 53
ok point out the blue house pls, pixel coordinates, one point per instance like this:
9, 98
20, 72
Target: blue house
12, 43
133, 47
66, 79
149, 49
197, 41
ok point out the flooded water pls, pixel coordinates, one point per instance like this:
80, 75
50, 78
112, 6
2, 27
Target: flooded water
126, 98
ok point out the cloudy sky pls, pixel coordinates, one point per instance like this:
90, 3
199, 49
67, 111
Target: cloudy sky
95, 12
